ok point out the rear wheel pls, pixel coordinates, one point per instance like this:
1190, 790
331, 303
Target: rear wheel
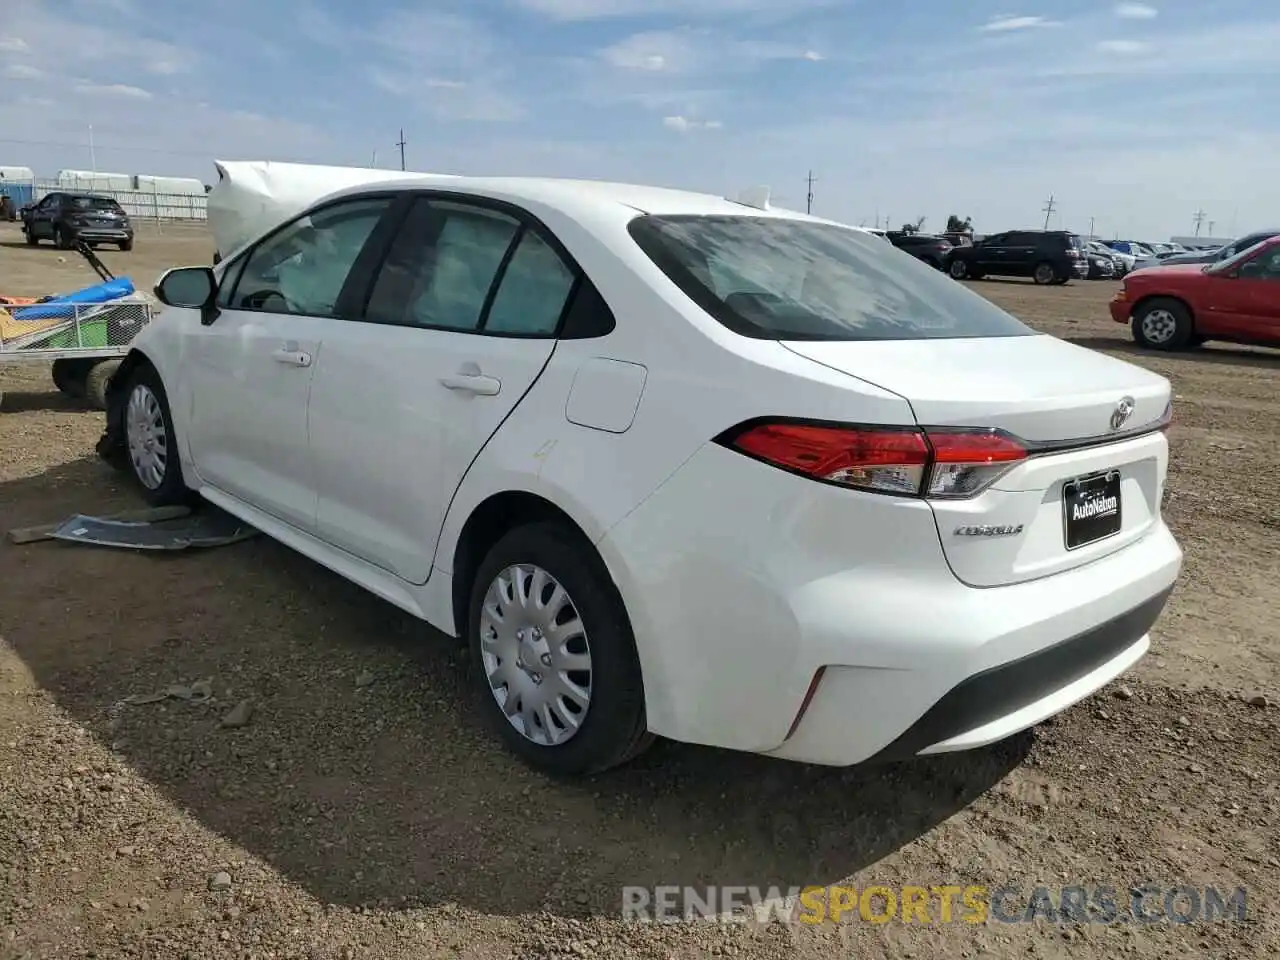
62, 237
1044, 273
1163, 324
126, 245
554, 657
96, 381
149, 440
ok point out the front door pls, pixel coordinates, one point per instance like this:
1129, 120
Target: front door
249, 378
460, 322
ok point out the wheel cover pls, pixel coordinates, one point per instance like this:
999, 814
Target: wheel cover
1044, 273
146, 437
536, 654
1159, 325
958, 269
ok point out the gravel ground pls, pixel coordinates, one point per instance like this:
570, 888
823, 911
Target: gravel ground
356, 813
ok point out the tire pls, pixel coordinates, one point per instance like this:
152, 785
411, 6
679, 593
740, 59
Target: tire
70, 376
1044, 274
958, 269
1163, 323
96, 380
169, 488
62, 238
126, 245
610, 729
32, 239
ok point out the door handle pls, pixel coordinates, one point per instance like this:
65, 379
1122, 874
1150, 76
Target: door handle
475, 383
294, 358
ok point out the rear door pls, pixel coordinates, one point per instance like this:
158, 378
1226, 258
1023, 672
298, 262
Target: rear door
1024, 253
460, 320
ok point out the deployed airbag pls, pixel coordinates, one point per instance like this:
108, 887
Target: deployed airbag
252, 196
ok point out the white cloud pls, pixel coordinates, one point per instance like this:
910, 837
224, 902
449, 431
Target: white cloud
813, 55
1006, 24
690, 50
684, 124
113, 90
685, 10
1136, 11
13, 45
1122, 46
22, 71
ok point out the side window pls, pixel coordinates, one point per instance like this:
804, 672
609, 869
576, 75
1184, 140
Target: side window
442, 266
301, 269
533, 291
1264, 266
999, 240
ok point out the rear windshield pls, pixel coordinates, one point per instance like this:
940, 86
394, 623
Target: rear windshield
93, 203
780, 279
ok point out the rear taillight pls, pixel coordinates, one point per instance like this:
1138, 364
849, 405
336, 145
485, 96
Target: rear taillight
908, 462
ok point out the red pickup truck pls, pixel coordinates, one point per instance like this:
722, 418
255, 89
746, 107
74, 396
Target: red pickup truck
1237, 300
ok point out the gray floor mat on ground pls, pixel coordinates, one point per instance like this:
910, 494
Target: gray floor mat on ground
206, 527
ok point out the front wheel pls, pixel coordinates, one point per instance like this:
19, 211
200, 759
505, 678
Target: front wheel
149, 440
32, 239
63, 238
1163, 324
1044, 274
554, 657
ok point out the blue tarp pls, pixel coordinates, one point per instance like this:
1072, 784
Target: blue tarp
65, 305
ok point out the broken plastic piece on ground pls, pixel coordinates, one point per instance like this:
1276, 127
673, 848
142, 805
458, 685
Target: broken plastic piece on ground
206, 527
198, 692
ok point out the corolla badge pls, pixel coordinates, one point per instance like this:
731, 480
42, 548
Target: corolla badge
1121, 414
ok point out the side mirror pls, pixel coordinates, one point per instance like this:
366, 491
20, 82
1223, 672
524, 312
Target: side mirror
194, 288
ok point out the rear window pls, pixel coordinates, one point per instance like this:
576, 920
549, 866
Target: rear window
780, 279
93, 203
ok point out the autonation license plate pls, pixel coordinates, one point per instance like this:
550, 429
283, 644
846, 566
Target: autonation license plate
1091, 507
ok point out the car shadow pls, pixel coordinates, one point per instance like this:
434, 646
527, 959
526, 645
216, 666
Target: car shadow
363, 774
27, 401
1212, 353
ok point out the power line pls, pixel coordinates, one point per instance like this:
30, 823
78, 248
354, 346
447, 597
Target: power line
1048, 210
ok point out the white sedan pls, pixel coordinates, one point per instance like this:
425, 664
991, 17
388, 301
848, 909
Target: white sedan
672, 465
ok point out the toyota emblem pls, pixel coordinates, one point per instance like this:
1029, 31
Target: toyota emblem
1121, 414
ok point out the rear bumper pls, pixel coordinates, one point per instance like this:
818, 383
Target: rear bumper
106, 234
998, 702
739, 602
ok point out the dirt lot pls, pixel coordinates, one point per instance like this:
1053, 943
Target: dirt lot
359, 814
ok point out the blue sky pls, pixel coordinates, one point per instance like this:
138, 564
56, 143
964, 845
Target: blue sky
1135, 114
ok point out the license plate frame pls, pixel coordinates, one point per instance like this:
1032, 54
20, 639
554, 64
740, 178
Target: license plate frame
1087, 514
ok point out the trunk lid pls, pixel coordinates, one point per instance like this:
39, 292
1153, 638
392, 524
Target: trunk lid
1087, 489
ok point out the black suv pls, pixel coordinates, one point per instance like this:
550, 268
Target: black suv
66, 217
1047, 256
923, 246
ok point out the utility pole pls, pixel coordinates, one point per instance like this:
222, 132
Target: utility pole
1048, 210
808, 204
1091, 228
400, 144
1211, 228
1199, 218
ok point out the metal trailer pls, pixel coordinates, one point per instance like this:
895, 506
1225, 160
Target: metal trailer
84, 341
